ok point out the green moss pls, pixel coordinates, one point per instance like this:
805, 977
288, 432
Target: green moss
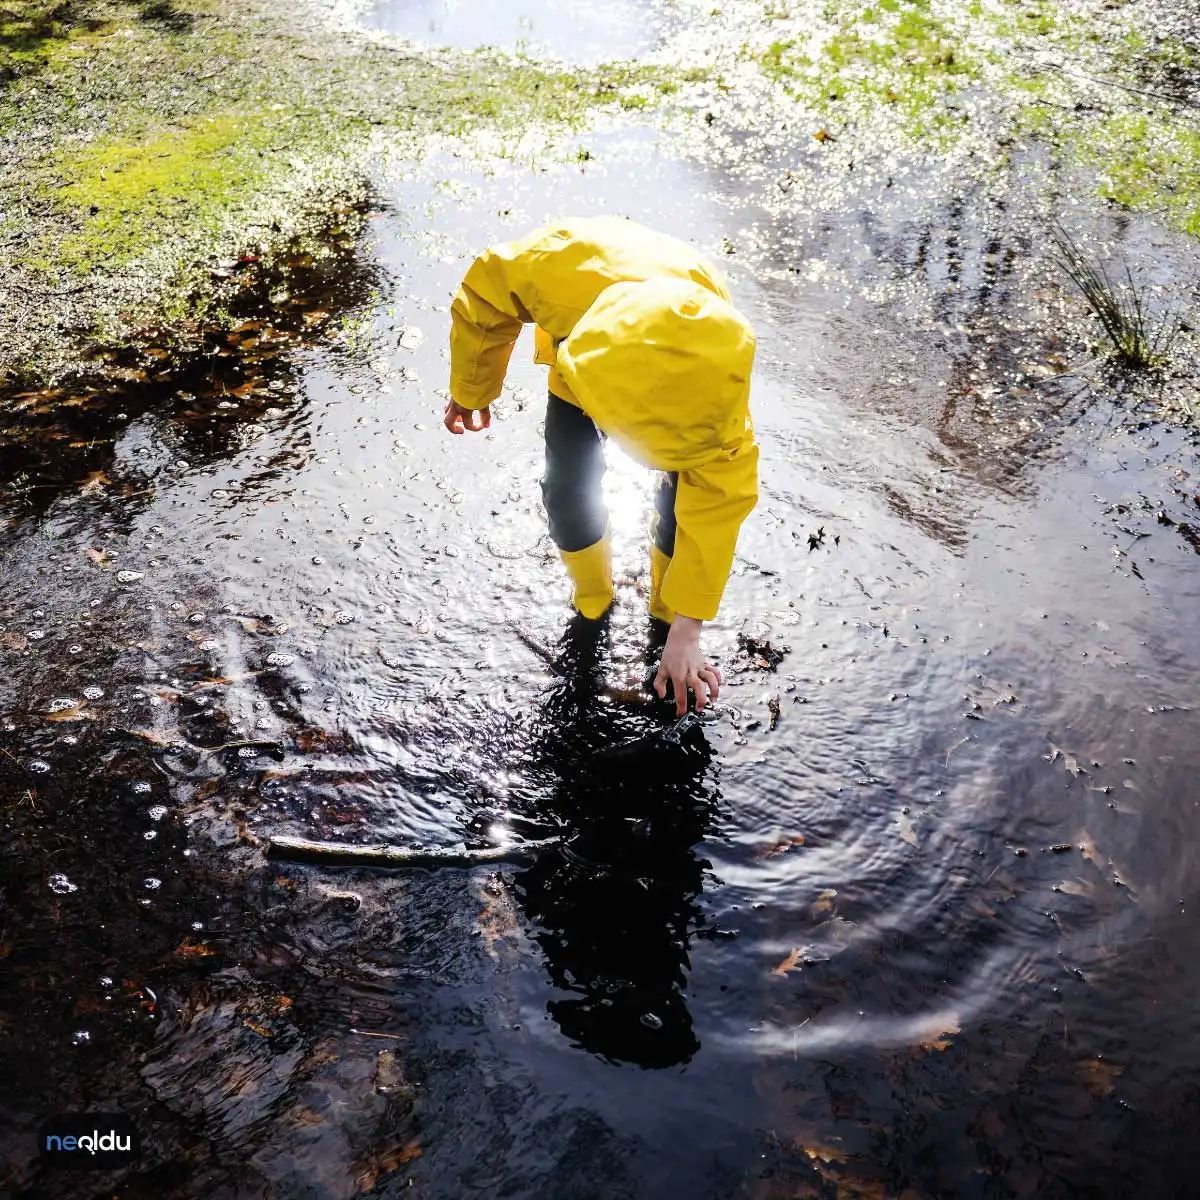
1149, 165
122, 194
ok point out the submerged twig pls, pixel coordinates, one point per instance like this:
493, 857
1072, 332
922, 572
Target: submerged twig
343, 854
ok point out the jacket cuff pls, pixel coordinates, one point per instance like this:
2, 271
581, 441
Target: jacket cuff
473, 395
700, 606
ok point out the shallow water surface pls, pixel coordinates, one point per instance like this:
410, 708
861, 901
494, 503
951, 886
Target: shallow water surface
588, 33
927, 931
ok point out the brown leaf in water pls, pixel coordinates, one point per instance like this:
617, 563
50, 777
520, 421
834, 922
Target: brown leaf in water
1069, 760
78, 713
389, 1160
908, 830
1074, 887
97, 481
823, 135
13, 641
824, 902
778, 847
99, 557
789, 964
192, 948
939, 1035
1099, 1075
261, 1030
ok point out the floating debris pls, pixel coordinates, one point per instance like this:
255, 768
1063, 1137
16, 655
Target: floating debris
61, 884
343, 854
758, 654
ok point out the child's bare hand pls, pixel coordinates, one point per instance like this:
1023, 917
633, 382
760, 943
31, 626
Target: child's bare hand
684, 666
463, 420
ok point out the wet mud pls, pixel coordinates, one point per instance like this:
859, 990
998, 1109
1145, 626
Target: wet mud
911, 915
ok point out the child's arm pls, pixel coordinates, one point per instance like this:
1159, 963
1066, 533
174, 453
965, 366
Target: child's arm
711, 503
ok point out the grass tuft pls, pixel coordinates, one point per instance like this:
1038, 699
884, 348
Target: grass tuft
1139, 338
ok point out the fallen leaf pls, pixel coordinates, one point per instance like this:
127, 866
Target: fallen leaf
1069, 760
907, 829
13, 641
97, 481
789, 964
99, 557
939, 1035
191, 948
824, 902
1074, 887
780, 846
1099, 1075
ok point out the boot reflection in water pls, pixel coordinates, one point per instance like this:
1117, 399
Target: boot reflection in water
644, 346
615, 912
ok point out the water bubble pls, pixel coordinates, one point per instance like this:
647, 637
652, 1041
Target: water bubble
151, 883
61, 884
61, 705
282, 627
36, 635
651, 1021
156, 812
105, 981
317, 560
129, 576
39, 767
39, 613
183, 464
280, 660
219, 494
196, 618
208, 645
343, 618
197, 926
150, 834
156, 529
141, 787
304, 688
68, 739
80, 1037
247, 752
74, 648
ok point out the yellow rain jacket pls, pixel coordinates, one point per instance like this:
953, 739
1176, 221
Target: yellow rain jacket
639, 332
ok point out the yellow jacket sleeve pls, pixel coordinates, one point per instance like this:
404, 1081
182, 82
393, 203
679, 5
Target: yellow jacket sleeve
486, 319
711, 503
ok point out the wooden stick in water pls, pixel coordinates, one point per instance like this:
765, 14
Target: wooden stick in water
344, 854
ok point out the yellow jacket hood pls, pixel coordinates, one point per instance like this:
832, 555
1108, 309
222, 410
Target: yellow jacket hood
663, 367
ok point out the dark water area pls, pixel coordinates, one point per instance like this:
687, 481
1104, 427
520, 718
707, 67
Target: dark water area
915, 914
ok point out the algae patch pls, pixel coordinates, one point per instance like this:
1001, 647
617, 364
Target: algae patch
125, 193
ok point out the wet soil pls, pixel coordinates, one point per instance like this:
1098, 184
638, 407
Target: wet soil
914, 916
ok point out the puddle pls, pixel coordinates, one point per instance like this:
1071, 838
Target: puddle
584, 34
916, 919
